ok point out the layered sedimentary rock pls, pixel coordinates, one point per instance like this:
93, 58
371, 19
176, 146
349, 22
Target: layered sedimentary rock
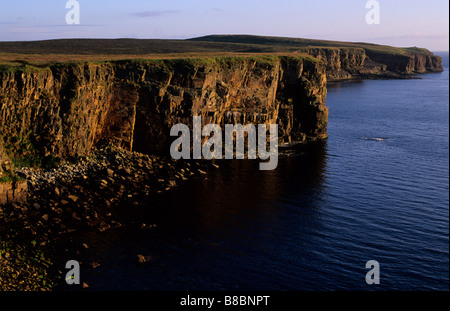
408, 64
341, 63
13, 192
67, 109
344, 60
359, 63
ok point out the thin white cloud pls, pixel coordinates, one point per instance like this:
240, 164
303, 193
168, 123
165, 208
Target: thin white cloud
154, 13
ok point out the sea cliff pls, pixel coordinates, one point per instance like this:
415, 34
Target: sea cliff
343, 60
67, 109
358, 63
61, 99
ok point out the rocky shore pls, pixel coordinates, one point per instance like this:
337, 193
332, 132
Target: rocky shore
56, 116
83, 193
52, 112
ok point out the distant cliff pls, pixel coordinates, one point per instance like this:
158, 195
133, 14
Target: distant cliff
344, 60
66, 109
358, 63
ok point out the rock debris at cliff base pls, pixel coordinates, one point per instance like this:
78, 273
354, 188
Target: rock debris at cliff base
84, 193
65, 109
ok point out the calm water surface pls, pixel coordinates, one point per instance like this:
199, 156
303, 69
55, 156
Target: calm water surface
314, 222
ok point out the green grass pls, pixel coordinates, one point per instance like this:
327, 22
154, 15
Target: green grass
22, 153
262, 60
41, 54
8, 177
289, 44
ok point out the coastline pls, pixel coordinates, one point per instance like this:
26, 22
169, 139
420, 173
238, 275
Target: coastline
82, 194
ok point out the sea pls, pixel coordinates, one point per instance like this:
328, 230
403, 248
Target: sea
377, 190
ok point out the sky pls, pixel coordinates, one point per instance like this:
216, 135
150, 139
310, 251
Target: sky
402, 23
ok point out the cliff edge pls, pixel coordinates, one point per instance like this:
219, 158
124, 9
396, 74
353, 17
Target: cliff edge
344, 60
66, 109
61, 98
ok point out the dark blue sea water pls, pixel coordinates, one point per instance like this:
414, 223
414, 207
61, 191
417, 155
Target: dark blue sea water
314, 222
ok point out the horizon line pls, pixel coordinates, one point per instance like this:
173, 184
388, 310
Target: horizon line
186, 39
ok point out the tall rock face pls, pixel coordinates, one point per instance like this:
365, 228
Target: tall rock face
340, 62
358, 63
344, 60
67, 109
408, 64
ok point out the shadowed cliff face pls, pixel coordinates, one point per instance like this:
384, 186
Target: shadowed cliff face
409, 64
340, 62
67, 109
358, 63
344, 60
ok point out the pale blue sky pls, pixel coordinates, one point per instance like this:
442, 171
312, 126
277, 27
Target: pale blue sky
403, 23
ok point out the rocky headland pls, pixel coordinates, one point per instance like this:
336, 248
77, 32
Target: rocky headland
343, 60
85, 130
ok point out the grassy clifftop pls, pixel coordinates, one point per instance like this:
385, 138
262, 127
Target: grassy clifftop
264, 43
208, 44
214, 45
344, 60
